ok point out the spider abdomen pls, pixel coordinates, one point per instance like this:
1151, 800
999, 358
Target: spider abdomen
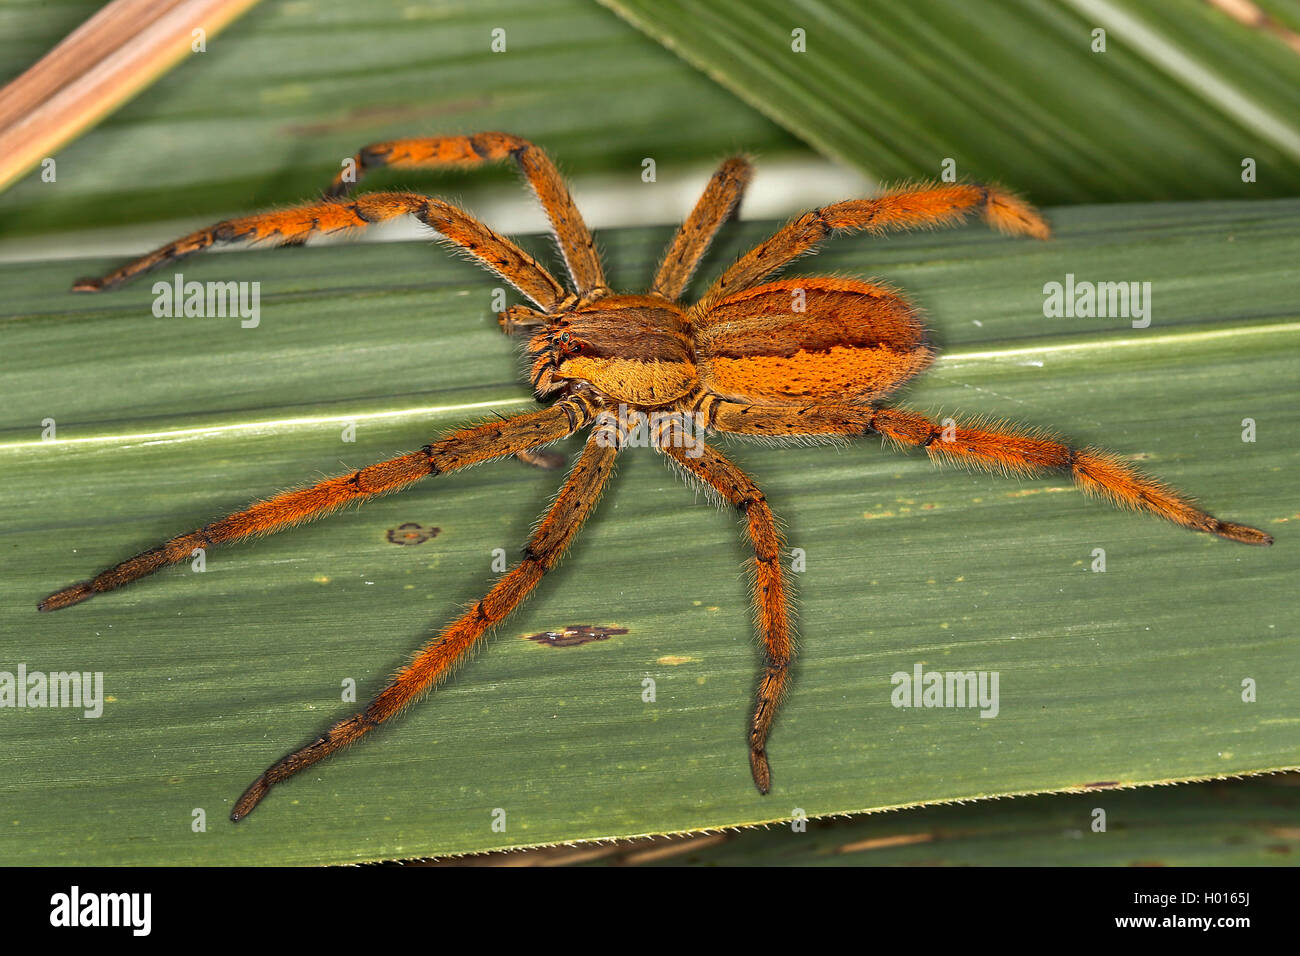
797, 340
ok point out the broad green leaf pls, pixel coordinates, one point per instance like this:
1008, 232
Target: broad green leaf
289, 90
1010, 90
1225, 823
1134, 675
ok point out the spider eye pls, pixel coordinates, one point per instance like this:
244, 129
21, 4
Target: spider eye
564, 337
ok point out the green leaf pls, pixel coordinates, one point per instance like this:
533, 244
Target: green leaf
288, 91
1226, 823
1011, 91
1133, 675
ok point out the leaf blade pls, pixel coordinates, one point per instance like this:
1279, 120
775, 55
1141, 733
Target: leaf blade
1132, 675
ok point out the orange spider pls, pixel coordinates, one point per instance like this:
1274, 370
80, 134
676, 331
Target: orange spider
788, 358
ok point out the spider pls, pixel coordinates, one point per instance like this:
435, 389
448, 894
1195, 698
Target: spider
782, 359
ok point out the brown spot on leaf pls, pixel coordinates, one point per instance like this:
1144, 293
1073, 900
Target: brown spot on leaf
1101, 785
575, 634
412, 533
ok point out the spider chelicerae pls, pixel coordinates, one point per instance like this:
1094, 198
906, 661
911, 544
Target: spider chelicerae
791, 358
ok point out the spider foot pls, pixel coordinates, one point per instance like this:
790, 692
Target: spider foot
761, 771
1243, 533
251, 798
67, 597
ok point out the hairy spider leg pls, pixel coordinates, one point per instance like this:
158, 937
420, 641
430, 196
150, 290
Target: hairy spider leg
919, 206
718, 203
493, 251
571, 233
576, 501
996, 446
468, 446
770, 596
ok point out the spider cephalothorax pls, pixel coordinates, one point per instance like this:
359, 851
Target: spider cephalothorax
633, 349
791, 358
